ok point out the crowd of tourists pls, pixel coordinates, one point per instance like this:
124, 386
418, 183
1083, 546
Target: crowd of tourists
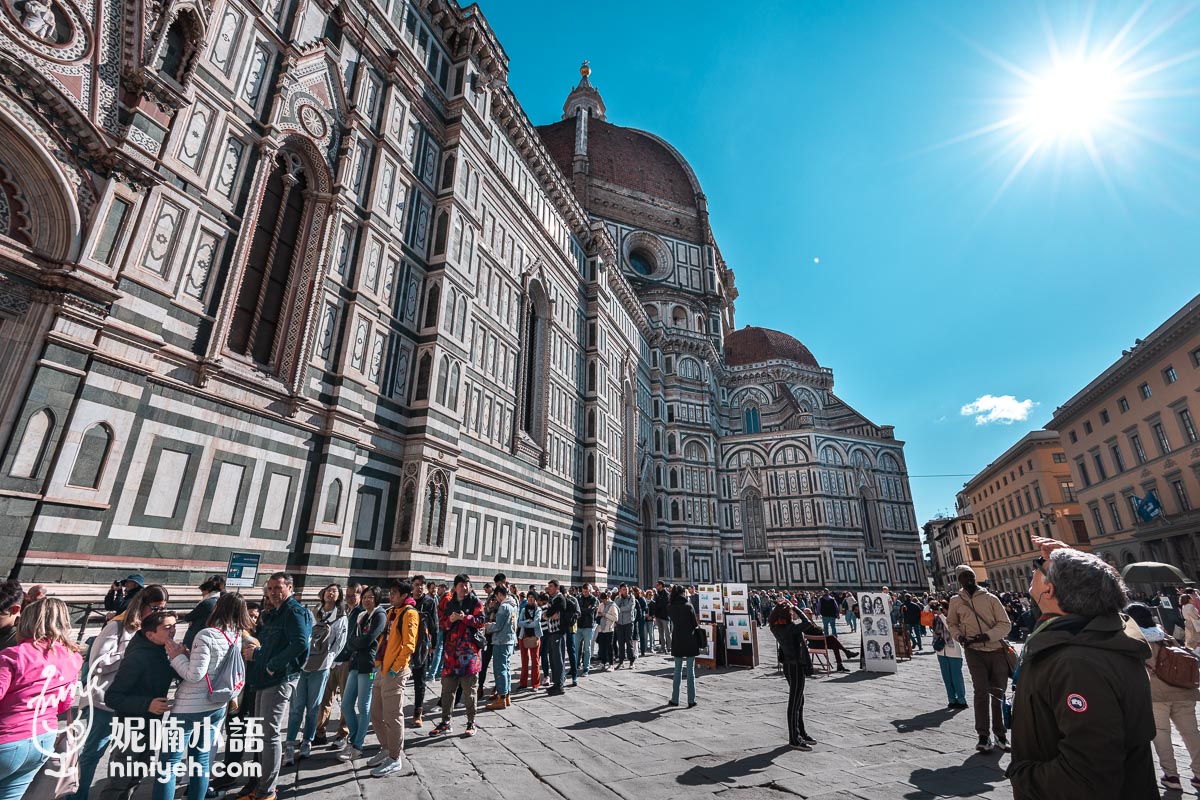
1100, 681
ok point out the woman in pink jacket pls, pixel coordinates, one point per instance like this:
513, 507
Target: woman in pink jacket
37, 683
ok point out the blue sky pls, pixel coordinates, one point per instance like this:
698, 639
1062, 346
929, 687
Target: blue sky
838, 131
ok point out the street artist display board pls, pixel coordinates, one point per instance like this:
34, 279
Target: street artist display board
875, 623
708, 656
741, 635
711, 603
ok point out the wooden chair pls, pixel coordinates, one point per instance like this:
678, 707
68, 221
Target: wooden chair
818, 650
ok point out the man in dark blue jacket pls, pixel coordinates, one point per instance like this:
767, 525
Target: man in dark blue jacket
272, 669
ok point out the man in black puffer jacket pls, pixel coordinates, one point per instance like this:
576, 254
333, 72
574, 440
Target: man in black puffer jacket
272, 670
662, 617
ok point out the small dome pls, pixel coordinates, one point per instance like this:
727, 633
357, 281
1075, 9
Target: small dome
754, 345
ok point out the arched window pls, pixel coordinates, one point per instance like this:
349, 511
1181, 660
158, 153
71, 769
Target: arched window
591, 423
674, 479
34, 443
268, 285
671, 444
831, 456
448, 172
333, 502
424, 368
589, 545
431, 306
591, 376
533, 413
662, 562
651, 312
435, 509
591, 468
888, 463
452, 391
408, 510
658, 443
678, 317
695, 452
93, 453
754, 536
460, 321
629, 437
677, 563
451, 301
674, 510
752, 421
699, 324
176, 51
441, 232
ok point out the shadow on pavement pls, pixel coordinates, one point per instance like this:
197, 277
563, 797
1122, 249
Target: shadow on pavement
855, 677
977, 776
730, 771
930, 719
616, 719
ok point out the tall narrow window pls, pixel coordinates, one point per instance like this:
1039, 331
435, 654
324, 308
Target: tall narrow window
589, 545
435, 510
333, 502
172, 61
752, 420
408, 511
452, 391
34, 444
424, 368
533, 361
267, 280
443, 376
431, 306
93, 453
677, 563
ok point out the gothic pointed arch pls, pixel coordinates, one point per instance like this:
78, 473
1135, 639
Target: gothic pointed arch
754, 536
535, 354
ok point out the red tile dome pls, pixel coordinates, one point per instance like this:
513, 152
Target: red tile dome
754, 345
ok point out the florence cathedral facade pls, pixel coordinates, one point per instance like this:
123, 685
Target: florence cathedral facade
301, 278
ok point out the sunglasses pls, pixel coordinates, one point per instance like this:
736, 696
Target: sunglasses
1039, 565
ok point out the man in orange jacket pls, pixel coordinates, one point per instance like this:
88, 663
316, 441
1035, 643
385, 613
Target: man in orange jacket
392, 671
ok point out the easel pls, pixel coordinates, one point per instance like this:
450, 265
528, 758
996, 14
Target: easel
901, 642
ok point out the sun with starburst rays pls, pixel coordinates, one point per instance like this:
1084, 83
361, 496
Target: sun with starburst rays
1087, 94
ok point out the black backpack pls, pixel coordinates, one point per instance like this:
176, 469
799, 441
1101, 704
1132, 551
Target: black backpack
570, 613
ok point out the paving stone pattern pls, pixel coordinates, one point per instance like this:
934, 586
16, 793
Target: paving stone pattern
881, 737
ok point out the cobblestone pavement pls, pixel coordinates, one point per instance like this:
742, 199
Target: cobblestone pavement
881, 737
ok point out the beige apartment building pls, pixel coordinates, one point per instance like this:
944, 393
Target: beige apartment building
953, 541
1027, 491
1131, 433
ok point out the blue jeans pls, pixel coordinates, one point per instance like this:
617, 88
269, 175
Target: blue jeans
829, 625
680, 663
644, 637
20, 761
583, 641
852, 621
305, 702
356, 705
501, 656
956, 690
435, 662
94, 746
198, 741
572, 656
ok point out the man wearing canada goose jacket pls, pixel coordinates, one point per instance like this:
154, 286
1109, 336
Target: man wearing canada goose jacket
1082, 719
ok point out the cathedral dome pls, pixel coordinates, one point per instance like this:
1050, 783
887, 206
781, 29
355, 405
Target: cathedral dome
754, 345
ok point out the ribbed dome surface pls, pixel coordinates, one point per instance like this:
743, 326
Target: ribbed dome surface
752, 345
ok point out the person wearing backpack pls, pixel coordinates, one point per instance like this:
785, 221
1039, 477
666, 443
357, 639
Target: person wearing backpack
1172, 703
426, 638
569, 621
503, 630
329, 634
211, 674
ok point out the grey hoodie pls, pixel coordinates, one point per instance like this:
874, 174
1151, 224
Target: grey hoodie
504, 629
626, 607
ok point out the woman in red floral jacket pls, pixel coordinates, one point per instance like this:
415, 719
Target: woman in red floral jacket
461, 618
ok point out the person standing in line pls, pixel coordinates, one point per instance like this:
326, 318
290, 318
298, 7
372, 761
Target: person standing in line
850, 611
1172, 704
329, 635
393, 668
606, 624
529, 631
485, 655
755, 607
910, 612
463, 617
139, 691
662, 617
335, 685
828, 606
284, 631
586, 633
197, 619
950, 658
426, 636
442, 597
626, 617
37, 683
570, 622
978, 622
684, 647
789, 627
641, 627
504, 638
553, 616
362, 643
201, 717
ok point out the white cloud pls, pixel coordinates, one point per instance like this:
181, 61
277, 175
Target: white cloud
1005, 409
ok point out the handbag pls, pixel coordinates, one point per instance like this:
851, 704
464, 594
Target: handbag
701, 635
59, 777
1010, 653
529, 642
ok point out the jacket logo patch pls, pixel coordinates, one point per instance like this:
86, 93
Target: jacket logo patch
1077, 703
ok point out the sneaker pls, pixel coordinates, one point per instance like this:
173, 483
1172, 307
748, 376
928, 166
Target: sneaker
305, 749
289, 754
1172, 782
1002, 742
350, 753
378, 758
691, 705
338, 744
808, 740
985, 744
470, 731
574, 682
802, 747
442, 728
389, 767
673, 702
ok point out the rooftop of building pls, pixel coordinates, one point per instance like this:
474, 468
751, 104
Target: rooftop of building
752, 345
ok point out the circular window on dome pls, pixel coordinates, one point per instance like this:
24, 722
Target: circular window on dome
642, 262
